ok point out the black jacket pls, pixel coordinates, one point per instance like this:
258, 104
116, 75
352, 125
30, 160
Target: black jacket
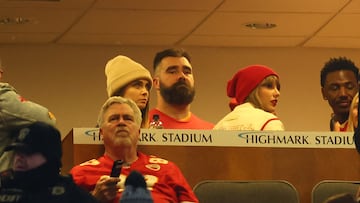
62, 190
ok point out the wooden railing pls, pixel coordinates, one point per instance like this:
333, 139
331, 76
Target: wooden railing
302, 158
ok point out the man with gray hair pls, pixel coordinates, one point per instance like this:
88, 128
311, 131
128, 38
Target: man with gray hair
119, 122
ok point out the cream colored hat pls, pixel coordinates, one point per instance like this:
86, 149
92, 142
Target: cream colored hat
121, 70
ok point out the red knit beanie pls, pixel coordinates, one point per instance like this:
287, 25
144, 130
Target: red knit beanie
246, 80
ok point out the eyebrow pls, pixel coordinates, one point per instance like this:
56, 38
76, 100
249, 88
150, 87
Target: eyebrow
176, 66
172, 67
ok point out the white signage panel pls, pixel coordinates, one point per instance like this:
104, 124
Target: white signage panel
221, 138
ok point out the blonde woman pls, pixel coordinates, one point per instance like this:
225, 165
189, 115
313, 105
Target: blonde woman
256, 90
353, 114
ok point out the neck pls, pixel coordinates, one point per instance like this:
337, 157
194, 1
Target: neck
128, 155
43, 176
341, 118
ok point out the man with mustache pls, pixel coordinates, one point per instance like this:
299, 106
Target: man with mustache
339, 84
174, 83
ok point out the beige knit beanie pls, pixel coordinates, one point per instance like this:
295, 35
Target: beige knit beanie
122, 70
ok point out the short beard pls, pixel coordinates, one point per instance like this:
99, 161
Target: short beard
179, 93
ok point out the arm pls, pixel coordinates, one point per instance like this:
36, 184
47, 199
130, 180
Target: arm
15, 110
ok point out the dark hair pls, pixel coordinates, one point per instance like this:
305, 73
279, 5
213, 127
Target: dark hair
174, 52
336, 64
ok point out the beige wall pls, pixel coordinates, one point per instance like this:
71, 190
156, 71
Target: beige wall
70, 80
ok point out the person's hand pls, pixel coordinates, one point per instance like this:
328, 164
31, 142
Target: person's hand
105, 189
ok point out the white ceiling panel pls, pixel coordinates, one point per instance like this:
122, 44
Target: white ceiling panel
175, 5
288, 24
307, 6
61, 4
119, 39
216, 23
135, 22
27, 38
330, 42
41, 19
235, 41
342, 25
352, 7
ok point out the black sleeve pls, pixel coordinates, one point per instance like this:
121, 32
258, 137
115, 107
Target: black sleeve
78, 194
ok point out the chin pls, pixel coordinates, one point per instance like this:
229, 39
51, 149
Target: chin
271, 111
141, 106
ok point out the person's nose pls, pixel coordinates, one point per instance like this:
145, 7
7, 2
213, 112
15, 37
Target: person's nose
144, 91
276, 93
182, 76
121, 121
343, 91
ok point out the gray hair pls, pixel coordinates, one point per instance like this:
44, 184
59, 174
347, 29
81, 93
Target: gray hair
119, 100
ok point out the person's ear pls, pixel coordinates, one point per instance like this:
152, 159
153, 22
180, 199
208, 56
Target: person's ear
100, 133
156, 82
323, 94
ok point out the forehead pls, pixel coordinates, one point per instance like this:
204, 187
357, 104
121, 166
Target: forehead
31, 156
341, 76
171, 61
118, 108
143, 81
139, 81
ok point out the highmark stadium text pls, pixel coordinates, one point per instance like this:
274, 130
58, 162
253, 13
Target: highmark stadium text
296, 139
258, 138
229, 138
177, 137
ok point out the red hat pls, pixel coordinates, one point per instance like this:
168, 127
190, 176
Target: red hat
246, 80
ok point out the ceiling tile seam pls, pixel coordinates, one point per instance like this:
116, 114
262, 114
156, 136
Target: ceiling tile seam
324, 25
153, 9
338, 37
200, 23
275, 12
75, 22
249, 35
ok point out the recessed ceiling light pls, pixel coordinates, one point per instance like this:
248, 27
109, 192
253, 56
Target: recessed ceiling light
257, 26
14, 21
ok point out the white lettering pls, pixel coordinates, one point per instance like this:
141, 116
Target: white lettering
10, 198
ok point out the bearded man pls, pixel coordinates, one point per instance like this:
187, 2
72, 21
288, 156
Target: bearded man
174, 84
